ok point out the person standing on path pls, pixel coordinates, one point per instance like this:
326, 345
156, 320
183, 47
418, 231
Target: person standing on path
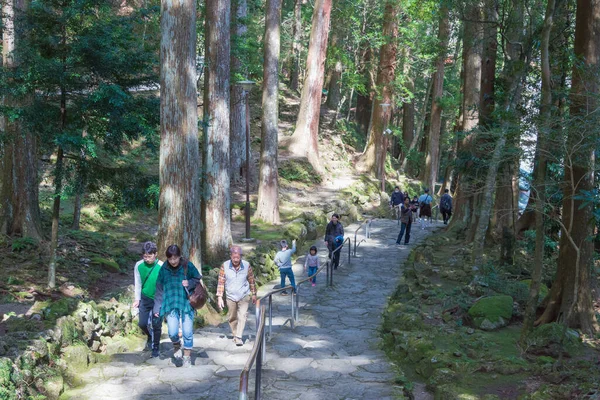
236, 278
333, 232
396, 199
406, 218
176, 278
145, 274
283, 260
312, 262
425, 201
446, 206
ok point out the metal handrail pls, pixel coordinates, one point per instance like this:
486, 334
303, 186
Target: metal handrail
256, 355
368, 223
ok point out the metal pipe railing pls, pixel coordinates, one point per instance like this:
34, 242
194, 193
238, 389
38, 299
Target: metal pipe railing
256, 355
367, 224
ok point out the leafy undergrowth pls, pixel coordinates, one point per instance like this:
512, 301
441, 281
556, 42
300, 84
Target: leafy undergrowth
428, 333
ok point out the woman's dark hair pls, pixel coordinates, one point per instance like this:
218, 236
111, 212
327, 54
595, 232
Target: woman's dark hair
336, 215
173, 250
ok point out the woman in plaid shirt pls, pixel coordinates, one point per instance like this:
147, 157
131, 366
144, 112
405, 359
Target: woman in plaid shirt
171, 300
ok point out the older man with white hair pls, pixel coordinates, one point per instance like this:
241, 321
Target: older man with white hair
236, 278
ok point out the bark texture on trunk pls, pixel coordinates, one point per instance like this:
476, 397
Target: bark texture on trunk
20, 193
179, 199
237, 118
432, 160
304, 141
373, 158
540, 179
408, 107
296, 45
334, 89
267, 208
488, 63
364, 101
570, 295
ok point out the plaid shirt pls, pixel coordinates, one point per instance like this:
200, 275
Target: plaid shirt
223, 280
170, 294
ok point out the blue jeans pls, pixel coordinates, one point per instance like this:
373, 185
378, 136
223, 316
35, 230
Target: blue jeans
290, 274
312, 271
404, 228
187, 326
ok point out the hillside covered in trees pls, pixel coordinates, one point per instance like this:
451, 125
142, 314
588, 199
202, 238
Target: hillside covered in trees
207, 123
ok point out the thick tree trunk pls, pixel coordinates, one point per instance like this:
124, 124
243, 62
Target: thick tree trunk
570, 295
408, 107
540, 179
304, 141
216, 216
20, 183
179, 198
432, 160
237, 118
364, 101
58, 177
334, 88
268, 184
373, 158
296, 45
488, 63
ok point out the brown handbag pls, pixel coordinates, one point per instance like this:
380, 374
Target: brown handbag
198, 297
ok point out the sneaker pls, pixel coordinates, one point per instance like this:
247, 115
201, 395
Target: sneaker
238, 341
314, 284
284, 293
178, 353
155, 353
148, 345
187, 362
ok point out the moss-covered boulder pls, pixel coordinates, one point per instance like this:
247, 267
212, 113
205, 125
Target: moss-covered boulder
492, 313
546, 340
106, 264
76, 356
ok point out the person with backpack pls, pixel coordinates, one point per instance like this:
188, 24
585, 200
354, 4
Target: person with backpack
236, 279
446, 206
145, 273
176, 279
397, 198
334, 237
425, 201
406, 218
283, 260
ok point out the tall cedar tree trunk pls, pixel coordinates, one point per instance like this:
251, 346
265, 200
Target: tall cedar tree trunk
334, 91
268, 185
59, 168
237, 119
20, 193
570, 295
408, 107
80, 182
432, 160
216, 216
296, 45
304, 141
373, 158
465, 197
421, 127
488, 63
364, 101
179, 198
539, 183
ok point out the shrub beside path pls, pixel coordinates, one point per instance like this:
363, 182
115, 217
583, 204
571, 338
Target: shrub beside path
333, 352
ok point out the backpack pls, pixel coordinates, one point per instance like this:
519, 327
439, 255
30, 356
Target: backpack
339, 240
198, 297
445, 203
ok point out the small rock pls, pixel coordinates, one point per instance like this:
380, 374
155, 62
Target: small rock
457, 354
470, 331
36, 317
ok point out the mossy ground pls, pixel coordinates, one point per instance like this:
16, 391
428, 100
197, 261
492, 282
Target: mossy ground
426, 332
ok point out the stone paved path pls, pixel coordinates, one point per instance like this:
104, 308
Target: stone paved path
331, 354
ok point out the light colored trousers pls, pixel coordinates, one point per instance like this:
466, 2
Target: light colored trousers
238, 311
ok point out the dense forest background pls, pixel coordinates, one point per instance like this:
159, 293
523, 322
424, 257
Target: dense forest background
116, 113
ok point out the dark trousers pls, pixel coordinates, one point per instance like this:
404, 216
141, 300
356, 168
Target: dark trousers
446, 214
146, 306
404, 228
334, 256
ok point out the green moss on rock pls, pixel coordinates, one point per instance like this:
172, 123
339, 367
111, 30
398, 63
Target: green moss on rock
492, 313
106, 264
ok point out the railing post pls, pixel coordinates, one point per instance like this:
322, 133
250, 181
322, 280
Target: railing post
297, 303
270, 315
293, 311
259, 360
349, 248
